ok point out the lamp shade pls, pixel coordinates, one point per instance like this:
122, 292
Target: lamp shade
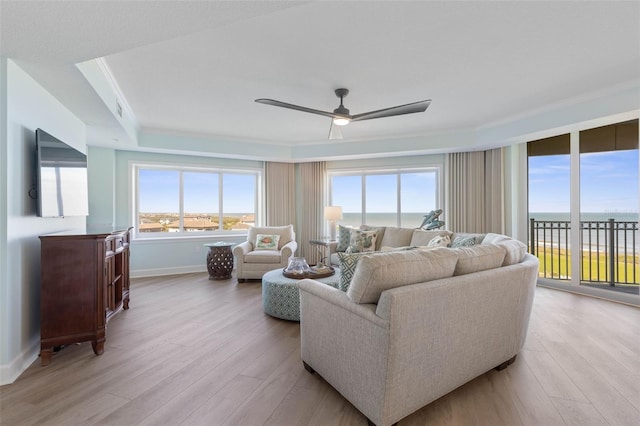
333, 213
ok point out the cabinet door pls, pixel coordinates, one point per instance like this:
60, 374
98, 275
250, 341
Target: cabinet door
109, 291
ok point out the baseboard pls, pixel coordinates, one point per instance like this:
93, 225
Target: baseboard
157, 272
10, 372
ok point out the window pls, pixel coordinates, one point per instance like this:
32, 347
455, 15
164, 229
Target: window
583, 199
195, 201
385, 198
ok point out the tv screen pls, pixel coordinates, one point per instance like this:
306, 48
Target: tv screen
61, 178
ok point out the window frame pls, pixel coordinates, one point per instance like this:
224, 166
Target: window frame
134, 187
398, 171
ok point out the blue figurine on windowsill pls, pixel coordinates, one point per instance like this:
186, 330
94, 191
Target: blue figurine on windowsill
431, 220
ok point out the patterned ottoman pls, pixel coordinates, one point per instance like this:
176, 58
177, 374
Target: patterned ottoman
280, 295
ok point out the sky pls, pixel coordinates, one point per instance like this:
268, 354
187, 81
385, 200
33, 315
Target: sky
160, 192
608, 182
418, 192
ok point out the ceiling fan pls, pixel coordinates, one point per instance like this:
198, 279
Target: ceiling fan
341, 116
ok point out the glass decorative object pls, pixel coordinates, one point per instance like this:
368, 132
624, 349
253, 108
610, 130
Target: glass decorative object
297, 266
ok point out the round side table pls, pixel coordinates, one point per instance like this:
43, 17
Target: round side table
219, 260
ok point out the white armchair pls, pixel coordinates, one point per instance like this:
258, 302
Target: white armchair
252, 263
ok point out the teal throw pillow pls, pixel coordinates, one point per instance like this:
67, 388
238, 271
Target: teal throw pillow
348, 263
344, 236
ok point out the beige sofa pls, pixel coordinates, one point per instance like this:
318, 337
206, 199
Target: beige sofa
416, 324
388, 236
252, 263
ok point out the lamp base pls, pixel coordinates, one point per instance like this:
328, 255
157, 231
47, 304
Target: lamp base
332, 230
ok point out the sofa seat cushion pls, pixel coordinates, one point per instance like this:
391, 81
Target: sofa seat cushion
421, 237
383, 271
263, 256
397, 237
478, 258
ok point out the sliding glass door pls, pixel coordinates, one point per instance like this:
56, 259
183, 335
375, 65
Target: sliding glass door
583, 207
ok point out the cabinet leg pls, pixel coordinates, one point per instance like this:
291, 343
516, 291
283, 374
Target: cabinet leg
45, 356
98, 347
125, 303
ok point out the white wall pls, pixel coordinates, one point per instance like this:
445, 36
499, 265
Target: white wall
28, 106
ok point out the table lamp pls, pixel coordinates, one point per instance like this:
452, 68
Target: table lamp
332, 214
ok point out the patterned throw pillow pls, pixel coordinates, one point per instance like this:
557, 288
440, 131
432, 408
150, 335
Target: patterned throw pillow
267, 242
348, 263
464, 241
440, 241
344, 236
362, 241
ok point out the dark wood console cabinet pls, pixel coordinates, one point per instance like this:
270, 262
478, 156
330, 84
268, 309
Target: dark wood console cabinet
84, 282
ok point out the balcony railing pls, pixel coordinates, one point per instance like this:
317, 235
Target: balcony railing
609, 251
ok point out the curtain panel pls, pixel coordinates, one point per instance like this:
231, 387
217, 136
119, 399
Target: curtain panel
280, 200
312, 195
475, 190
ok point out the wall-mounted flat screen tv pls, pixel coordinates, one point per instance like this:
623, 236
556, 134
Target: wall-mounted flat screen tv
61, 178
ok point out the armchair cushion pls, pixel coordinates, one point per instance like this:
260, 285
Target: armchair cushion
263, 256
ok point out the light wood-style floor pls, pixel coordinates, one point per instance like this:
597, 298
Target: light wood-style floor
196, 352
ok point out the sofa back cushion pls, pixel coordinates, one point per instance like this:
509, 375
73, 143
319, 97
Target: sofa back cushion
383, 271
478, 258
286, 234
421, 237
515, 251
397, 237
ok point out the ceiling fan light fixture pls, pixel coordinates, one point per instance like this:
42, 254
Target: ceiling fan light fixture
341, 121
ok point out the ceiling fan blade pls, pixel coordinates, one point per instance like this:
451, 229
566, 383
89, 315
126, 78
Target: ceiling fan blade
295, 107
411, 108
335, 132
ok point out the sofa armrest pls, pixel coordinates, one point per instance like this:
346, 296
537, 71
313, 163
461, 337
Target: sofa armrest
346, 343
288, 250
241, 249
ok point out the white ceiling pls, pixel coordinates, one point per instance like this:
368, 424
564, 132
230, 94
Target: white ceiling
195, 67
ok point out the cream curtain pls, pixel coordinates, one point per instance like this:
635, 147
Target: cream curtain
280, 200
494, 207
312, 194
475, 191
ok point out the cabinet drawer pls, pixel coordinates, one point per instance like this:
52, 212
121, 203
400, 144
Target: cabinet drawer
115, 244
